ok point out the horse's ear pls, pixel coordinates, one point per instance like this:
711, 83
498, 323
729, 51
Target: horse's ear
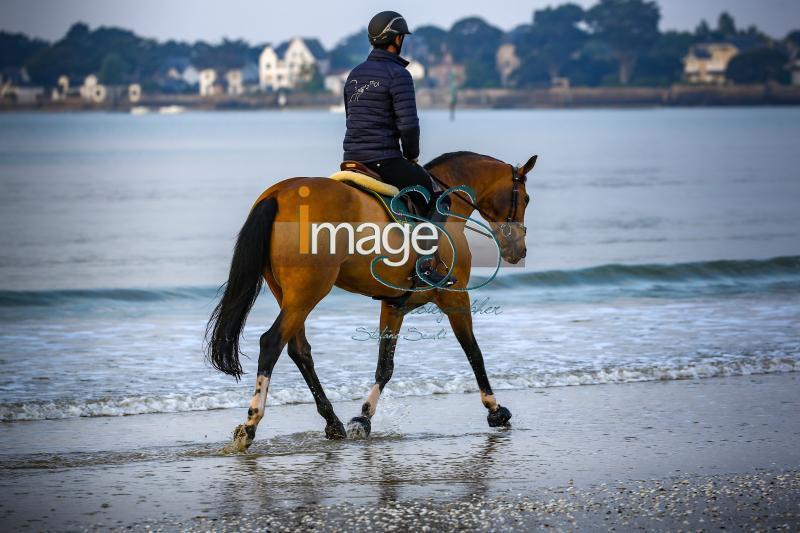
527, 167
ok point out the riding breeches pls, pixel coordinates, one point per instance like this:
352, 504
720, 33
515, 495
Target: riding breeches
402, 173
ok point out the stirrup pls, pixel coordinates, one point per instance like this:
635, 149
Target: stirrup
432, 277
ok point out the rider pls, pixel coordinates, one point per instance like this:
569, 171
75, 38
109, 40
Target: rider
381, 112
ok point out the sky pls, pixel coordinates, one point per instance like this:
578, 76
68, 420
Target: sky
261, 21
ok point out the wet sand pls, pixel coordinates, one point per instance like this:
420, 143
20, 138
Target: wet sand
675, 454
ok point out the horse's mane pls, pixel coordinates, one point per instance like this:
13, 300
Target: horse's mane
444, 158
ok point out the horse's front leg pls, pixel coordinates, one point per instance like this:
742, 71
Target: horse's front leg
390, 324
457, 308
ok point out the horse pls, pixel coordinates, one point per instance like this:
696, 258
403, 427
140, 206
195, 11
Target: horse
270, 247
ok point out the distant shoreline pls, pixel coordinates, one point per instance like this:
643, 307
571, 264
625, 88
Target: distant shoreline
554, 98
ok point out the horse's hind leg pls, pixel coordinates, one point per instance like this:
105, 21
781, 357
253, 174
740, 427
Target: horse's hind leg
272, 342
300, 352
300, 289
271, 345
390, 324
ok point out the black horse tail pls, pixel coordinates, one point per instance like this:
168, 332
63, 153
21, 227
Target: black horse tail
250, 260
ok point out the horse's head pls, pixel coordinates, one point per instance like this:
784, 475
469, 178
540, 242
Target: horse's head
500, 191
502, 203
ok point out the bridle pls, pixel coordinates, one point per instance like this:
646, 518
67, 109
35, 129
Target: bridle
505, 227
516, 179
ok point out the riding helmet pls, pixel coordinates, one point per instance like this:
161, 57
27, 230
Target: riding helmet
384, 26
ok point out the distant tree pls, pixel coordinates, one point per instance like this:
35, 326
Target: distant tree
429, 44
105, 41
663, 63
616, 41
593, 65
81, 52
792, 39
474, 42
114, 70
702, 32
314, 81
725, 24
532, 72
759, 65
753, 32
351, 50
227, 55
17, 48
630, 27
556, 35
78, 32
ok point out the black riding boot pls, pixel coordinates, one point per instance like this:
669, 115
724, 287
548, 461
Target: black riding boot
428, 265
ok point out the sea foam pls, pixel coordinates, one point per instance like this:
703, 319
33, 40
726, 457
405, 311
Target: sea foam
172, 403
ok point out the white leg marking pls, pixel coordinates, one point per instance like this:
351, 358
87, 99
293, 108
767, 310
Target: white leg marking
488, 401
372, 399
258, 403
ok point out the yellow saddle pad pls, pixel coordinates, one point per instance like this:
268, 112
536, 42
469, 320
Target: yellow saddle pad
365, 182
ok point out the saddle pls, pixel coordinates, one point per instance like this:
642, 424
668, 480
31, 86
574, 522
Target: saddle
361, 177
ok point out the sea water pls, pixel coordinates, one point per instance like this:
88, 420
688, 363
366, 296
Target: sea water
662, 244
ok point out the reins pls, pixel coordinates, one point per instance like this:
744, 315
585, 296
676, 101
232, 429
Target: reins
505, 227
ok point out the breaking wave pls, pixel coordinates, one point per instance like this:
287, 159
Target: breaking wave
653, 280
173, 403
775, 269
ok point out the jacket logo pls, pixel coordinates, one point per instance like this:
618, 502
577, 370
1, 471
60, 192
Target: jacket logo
360, 90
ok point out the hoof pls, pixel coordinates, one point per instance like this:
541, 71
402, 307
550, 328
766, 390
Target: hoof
242, 439
335, 431
499, 417
359, 428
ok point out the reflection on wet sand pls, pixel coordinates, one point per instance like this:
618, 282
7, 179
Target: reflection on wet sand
317, 472
119, 472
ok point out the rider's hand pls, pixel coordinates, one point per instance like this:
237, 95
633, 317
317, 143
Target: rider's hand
414, 160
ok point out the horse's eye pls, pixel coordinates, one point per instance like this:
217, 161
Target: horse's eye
527, 199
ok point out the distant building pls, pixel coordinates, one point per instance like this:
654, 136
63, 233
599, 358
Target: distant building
416, 69
134, 93
235, 82
250, 74
291, 63
334, 81
22, 94
63, 84
15, 86
447, 72
706, 63
208, 80
794, 68
506, 62
190, 75
92, 90
16, 76
63, 89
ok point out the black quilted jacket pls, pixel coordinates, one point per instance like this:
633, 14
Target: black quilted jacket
381, 110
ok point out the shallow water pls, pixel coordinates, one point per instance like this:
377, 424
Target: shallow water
70, 474
116, 230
